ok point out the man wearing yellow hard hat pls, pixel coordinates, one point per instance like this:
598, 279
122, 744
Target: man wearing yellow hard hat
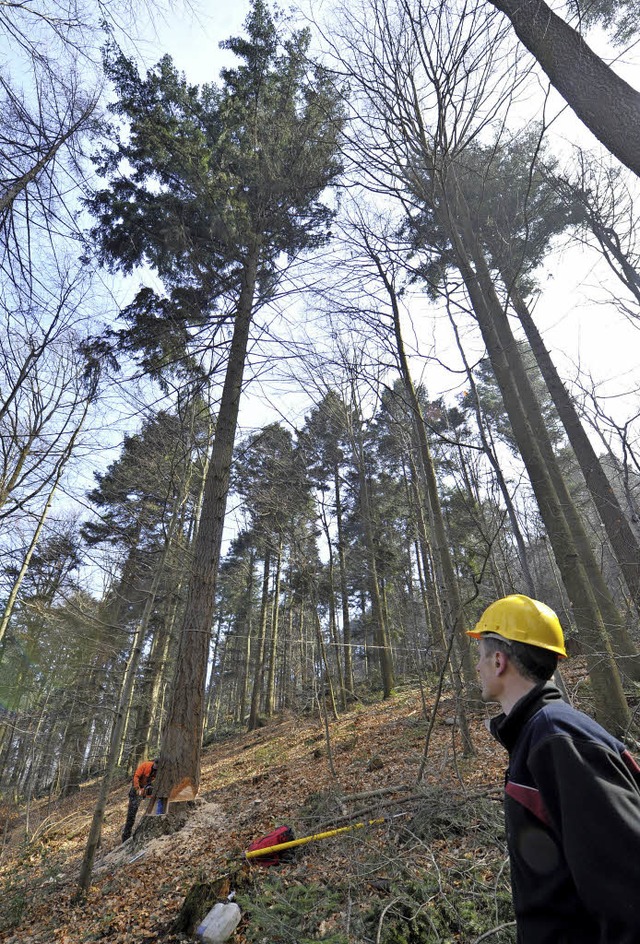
572, 790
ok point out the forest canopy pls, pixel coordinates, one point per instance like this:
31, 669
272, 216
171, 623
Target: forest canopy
284, 401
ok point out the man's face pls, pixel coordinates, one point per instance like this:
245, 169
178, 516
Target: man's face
490, 678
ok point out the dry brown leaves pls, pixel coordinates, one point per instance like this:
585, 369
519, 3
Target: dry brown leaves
250, 784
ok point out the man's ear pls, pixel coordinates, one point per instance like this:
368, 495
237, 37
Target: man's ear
501, 661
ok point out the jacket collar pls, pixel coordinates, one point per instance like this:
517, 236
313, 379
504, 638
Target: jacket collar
506, 728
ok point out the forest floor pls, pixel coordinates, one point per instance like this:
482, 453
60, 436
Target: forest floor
434, 871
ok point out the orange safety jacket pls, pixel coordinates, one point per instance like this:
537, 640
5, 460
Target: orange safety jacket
144, 775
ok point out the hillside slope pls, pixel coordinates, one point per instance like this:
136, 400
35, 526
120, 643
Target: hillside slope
433, 871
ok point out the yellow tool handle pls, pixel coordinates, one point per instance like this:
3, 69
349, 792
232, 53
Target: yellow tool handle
300, 842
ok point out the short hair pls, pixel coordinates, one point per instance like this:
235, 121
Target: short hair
532, 662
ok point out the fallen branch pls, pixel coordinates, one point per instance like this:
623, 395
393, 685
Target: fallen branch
371, 793
378, 807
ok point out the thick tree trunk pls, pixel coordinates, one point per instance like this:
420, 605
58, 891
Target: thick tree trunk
616, 629
623, 540
610, 704
179, 771
608, 106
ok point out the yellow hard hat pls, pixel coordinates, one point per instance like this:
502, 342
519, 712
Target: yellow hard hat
522, 619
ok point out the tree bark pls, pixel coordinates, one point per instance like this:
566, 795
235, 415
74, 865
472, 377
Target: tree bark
258, 672
623, 540
608, 106
179, 770
344, 592
611, 707
270, 698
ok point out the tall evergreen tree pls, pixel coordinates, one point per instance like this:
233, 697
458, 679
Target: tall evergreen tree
215, 188
324, 441
271, 478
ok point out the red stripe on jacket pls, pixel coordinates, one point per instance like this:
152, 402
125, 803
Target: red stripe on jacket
530, 798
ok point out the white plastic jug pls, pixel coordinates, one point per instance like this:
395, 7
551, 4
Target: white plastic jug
220, 923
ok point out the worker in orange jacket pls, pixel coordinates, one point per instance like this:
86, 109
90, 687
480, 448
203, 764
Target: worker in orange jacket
142, 779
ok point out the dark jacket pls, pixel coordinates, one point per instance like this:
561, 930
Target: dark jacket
572, 811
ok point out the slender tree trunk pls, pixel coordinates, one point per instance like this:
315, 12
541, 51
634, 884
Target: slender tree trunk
244, 681
611, 250
95, 831
21, 183
490, 453
609, 106
76, 737
275, 613
454, 612
218, 692
30, 780
434, 617
344, 592
332, 613
213, 688
288, 664
326, 684
377, 611
258, 672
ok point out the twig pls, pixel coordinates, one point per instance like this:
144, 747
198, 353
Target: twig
382, 916
371, 793
381, 806
500, 927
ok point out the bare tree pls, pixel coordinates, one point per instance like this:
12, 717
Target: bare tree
602, 201
429, 81
44, 382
